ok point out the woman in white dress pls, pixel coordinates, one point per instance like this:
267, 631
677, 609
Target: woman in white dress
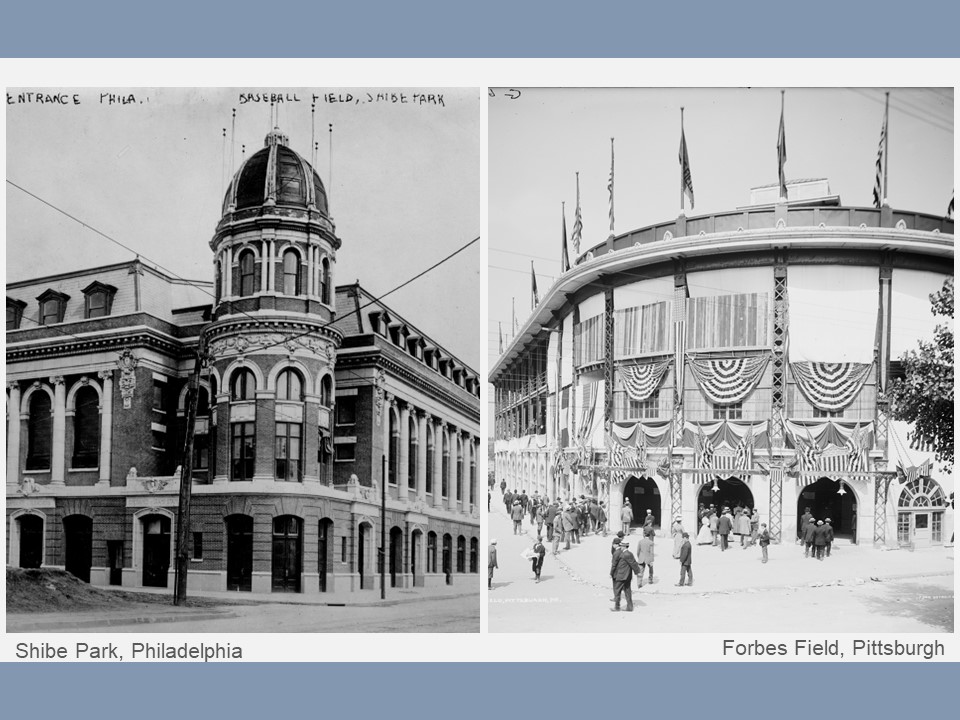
705, 537
676, 530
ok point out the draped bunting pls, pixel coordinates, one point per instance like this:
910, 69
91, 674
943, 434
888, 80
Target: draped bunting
727, 433
827, 432
729, 380
828, 449
722, 463
830, 386
585, 428
655, 433
641, 381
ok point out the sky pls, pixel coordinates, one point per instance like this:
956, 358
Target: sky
539, 139
152, 174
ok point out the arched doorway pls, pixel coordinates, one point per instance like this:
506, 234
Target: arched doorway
448, 558
396, 555
31, 541
287, 557
156, 550
920, 510
643, 494
832, 499
78, 542
324, 551
363, 538
416, 561
726, 492
239, 553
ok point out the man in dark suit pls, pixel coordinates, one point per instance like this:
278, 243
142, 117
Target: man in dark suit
491, 562
802, 525
809, 534
622, 567
819, 539
828, 529
548, 516
724, 526
686, 557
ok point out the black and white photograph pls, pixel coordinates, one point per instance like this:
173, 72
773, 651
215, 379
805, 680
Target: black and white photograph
242, 360
720, 360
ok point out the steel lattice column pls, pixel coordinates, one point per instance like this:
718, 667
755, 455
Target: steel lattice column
679, 346
779, 384
776, 503
608, 332
880, 509
676, 494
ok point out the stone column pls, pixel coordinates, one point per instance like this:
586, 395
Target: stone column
452, 484
421, 455
389, 402
58, 451
311, 271
403, 461
228, 275
438, 432
311, 439
224, 438
13, 433
271, 275
264, 265
106, 425
264, 464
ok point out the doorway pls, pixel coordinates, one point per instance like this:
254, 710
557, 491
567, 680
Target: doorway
156, 550
396, 554
31, 541
324, 548
832, 499
726, 492
78, 541
240, 553
286, 554
643, 495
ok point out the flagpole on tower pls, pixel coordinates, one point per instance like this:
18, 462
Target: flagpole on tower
782, 151
610, 188
682, 153
886, 146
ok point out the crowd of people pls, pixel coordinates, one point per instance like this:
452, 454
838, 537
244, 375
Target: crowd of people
565, 522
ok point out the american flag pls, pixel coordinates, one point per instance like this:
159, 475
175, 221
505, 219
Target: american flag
577, 223
565, 256
856, 460
877, 185
782, 153
950, 208
686, 179
745, 450
704, 449
610, 187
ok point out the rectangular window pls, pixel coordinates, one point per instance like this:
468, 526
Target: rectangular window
201, 452
818, 413
159, 440
198, 546
97, 305
288, 452
903, 528
343, 549
345, 452
936, 528
50, 312
728, 412
649, 408
159, 395
728, 321
242, 451
346, 414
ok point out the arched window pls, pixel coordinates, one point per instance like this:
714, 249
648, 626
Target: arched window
39, 432
246, 273
326, 391
431, 552
394, 452
201, 440
86, 429
289, 452
474, 555
473, 476
289, 386
461, 554
243, 386
429, 468
291, 272
412, 452
203, 402
445, 467
325, 281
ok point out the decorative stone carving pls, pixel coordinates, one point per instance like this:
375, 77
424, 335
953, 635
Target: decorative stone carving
667, 236
132, 474
84, 381
244, 343
127, 364
901, 225
154, 484
56, 380
781, 224
27, 487
378, 394
105, 374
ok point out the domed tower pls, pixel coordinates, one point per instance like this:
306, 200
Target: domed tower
271, 345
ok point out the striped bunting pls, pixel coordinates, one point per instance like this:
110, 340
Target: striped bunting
830, 386
641, 381
721, 463
729, 380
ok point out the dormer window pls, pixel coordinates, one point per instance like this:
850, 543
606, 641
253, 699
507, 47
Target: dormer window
98, 299
14, 313
53, 306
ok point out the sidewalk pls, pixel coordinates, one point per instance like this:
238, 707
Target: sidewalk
737, 570
159, 613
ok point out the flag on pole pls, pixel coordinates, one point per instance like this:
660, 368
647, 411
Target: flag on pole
577, 223
950, 207
534, 295
782, 152
500, 328
686, 179
877, 184
565, 256
610, 187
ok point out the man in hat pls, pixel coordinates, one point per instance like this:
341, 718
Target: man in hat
622, 567
491, 562
686, 557
617, 539
557, 532
809, 533
820, 539
802, 525
626, 517
724, 526
538, 552
649, 520
517, 515
828, 529
645, 554
549, 515
764, 540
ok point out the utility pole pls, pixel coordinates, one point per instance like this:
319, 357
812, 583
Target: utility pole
186, 483
383, 527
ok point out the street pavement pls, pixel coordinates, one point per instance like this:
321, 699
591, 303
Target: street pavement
440, 609
857, 589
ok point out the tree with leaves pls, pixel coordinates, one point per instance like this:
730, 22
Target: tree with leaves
924, 398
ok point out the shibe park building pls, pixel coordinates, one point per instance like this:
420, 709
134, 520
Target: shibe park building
307, 387
739, 357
